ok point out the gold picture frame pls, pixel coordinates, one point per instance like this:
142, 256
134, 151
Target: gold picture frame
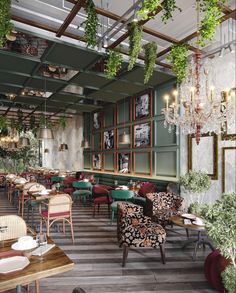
224, 149
214, 174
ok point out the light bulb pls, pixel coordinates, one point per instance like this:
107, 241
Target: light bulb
105, 42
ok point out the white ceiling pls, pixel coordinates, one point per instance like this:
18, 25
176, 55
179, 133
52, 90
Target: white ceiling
54, 12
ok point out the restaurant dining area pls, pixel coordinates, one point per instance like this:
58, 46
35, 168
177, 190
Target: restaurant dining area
117, 146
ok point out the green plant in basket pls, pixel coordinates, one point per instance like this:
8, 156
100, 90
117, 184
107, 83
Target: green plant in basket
113, 64
91, 24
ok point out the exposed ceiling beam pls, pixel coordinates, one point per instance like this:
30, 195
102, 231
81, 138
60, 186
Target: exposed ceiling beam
70, 17
194, 34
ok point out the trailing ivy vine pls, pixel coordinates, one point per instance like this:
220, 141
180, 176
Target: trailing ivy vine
135, 37
178, 59
168, 8
91, 24
150, 60
62, 122
44, 121
113, 64
147, 11
211, 10
5, 24
20, 121
3, 122
32, 124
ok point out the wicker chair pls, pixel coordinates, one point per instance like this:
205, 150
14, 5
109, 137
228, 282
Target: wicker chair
59, 208
162, 206
136, 230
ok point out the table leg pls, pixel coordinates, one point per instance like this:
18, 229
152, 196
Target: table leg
18, 289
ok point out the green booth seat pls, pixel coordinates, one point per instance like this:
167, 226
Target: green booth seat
119, 195
83, 190
58, 179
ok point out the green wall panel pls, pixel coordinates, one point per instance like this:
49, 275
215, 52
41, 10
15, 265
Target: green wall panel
87, 161
123, 111
161, 91
165, 162
109, 116
161, 135
142, 163
97, 141
109, 160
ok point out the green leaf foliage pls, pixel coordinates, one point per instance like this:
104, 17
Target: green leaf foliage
195, 181
62, 122
211, 10
5, 23
135, 37
150, 60
148, 8
113, 64
3, 122
229, 278
168, 8
220, 223
179, 61
20, 121
44, 121
91, 24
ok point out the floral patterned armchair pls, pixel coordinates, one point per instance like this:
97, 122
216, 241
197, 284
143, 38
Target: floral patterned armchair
136, 230
162, 206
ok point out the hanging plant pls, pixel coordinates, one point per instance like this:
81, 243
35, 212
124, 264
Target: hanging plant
135, 37
211, 10
113, 64
5, 25
91, 24
168, 7
20, 124
3, 122
62, 122
32, 124
44, 121
150, 60
178, 59
147, 11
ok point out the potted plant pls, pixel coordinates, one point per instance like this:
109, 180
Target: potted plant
220, 223
195, 184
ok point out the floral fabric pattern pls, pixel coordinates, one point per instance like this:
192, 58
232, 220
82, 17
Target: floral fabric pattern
162, 206
136, 230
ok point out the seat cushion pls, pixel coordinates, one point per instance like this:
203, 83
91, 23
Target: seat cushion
102, 199
55, 215
82, 192
68, 190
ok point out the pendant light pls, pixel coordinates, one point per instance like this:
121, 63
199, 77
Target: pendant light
124, 138
24, 141
46, 151
63, 147
45, 132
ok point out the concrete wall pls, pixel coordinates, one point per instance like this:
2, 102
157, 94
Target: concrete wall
225, 78
72, 136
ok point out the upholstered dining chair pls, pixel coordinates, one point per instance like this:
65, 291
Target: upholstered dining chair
162, 206
101, 195
24, 197
78, 290
136, 230
119, 195
13, 227
59, 208
83, 190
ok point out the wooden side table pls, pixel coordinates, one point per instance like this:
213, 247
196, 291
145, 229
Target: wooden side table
201, 239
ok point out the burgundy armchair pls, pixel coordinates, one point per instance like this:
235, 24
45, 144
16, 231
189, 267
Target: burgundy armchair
101, 195
147, 187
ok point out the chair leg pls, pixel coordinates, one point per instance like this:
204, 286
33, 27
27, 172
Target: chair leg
112, 216
41, 226
94, 209
64, 227
72, 231
162, 250
37, 286
125, 255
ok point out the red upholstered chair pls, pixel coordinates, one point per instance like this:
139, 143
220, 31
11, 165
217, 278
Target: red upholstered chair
147, 187
68, 185
101, 195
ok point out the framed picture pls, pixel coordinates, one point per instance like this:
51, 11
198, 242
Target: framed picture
124, 162
97, 161
109, 139
207, 160
142, 135
142, 163
143, 106
229, 169
97, 120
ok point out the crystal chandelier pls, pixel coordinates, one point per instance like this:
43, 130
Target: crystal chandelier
199, 107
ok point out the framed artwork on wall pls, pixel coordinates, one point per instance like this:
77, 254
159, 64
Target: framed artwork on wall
143, 106
97, 161
124, 162
204, 156
228, 169
109, 139
142, 163
97, 120
142, 135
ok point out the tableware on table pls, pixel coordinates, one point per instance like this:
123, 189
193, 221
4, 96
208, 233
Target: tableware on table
123, 187
12, 264
86, 180
41, 239
24, 243
188, 216
199, 222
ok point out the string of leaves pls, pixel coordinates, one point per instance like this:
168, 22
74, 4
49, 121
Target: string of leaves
32, 124
148, 8
135, 37
44, 121
5, 25
178, 60
150, 60
91, 24
20, 121
211, 10
62, 122
168, 8
3, 122
114, 63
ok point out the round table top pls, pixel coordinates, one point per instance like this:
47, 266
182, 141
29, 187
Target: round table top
179, 221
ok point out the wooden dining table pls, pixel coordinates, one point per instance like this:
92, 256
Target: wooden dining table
54, 262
